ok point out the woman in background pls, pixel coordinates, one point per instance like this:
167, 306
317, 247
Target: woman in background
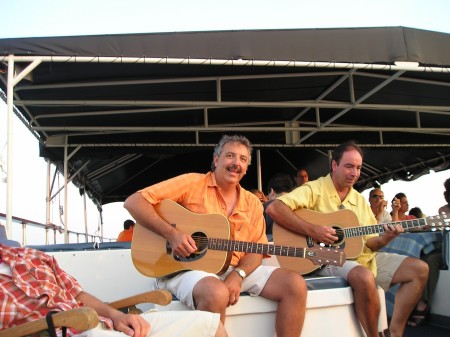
401, 213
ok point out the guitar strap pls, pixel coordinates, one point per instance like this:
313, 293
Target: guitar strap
51, 327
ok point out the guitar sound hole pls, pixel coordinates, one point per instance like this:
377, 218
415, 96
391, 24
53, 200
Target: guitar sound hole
340, 243
201, 241
340, 235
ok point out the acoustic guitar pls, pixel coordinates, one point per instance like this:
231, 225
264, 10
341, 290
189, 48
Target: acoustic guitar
152, 254
348, 231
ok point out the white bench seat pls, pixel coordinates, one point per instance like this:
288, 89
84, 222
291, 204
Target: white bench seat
110, 274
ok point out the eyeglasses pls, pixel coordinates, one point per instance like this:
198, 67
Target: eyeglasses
376, 196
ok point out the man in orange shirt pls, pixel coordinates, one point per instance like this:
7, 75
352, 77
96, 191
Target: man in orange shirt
127, 233
219, 191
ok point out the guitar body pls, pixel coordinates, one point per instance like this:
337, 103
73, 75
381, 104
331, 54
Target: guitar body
340, 219
152, 257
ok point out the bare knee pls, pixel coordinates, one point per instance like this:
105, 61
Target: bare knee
296, 284
421, 270
424, 270
284, 284
361, 279
412, 269
211, 294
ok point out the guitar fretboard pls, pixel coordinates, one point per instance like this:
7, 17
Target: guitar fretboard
254, 247
376, 229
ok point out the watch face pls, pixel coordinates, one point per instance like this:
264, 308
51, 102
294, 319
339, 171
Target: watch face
241, 273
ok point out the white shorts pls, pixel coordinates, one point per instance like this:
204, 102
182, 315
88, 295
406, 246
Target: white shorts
169, 324
183, 284
387, 265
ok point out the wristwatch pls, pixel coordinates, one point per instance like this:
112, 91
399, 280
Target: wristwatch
241, 273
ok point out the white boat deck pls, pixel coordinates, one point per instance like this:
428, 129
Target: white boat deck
110, 275
108, 272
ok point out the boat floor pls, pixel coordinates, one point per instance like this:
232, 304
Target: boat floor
426, 330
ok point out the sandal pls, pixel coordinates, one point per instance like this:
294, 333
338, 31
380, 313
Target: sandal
384, 333
417, 317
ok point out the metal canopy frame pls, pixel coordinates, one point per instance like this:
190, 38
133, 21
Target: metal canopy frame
177, 105
116, 124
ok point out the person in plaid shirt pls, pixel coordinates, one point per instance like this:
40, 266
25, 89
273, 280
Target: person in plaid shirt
32, 284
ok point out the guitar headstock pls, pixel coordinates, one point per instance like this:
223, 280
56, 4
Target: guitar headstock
326, 255
438, 222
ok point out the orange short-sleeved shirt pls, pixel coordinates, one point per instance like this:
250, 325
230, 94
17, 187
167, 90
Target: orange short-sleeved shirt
200, 194
125, 235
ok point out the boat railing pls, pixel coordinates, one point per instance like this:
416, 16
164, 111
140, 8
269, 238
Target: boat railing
32, 232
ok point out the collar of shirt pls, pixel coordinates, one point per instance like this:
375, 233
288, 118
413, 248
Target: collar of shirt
350, 198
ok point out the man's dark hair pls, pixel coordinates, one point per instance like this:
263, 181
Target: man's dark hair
399, 196
344, 147
280, 182
128, 223
447, 191
417, 212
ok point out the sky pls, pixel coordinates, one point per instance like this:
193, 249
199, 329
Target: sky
32, 18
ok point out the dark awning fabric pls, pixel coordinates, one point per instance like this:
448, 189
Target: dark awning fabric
359, 45
139, 108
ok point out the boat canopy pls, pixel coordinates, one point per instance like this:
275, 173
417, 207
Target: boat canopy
126, 111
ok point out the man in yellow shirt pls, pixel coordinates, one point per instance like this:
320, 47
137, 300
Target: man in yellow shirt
334, 192
219, 192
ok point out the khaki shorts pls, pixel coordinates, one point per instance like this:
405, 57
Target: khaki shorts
183, 284
387, 265
169, 324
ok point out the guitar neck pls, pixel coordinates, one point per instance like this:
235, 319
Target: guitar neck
254, 247
379, 228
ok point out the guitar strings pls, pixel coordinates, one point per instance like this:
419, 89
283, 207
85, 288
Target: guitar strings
204, 241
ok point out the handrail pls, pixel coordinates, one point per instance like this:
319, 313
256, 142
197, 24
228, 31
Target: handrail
55, 228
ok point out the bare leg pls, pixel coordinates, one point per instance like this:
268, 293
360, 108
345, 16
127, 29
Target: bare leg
211, 294
221, 332
412, 276
289, 290
367, 302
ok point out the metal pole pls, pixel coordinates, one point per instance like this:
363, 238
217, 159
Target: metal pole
258, 168
9, 151
66, 170
47, 204
85, 216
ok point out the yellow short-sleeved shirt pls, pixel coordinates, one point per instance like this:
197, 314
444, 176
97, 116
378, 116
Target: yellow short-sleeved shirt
200, 194
320, 195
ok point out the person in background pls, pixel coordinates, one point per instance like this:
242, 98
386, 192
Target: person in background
378, 205
446, 208
33, 285
417, 212
279, 184
400, 213
301, 177
127, 233
260, 194
372, 268
220, 192
434, 261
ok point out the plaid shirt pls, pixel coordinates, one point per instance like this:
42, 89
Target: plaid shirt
36, 286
